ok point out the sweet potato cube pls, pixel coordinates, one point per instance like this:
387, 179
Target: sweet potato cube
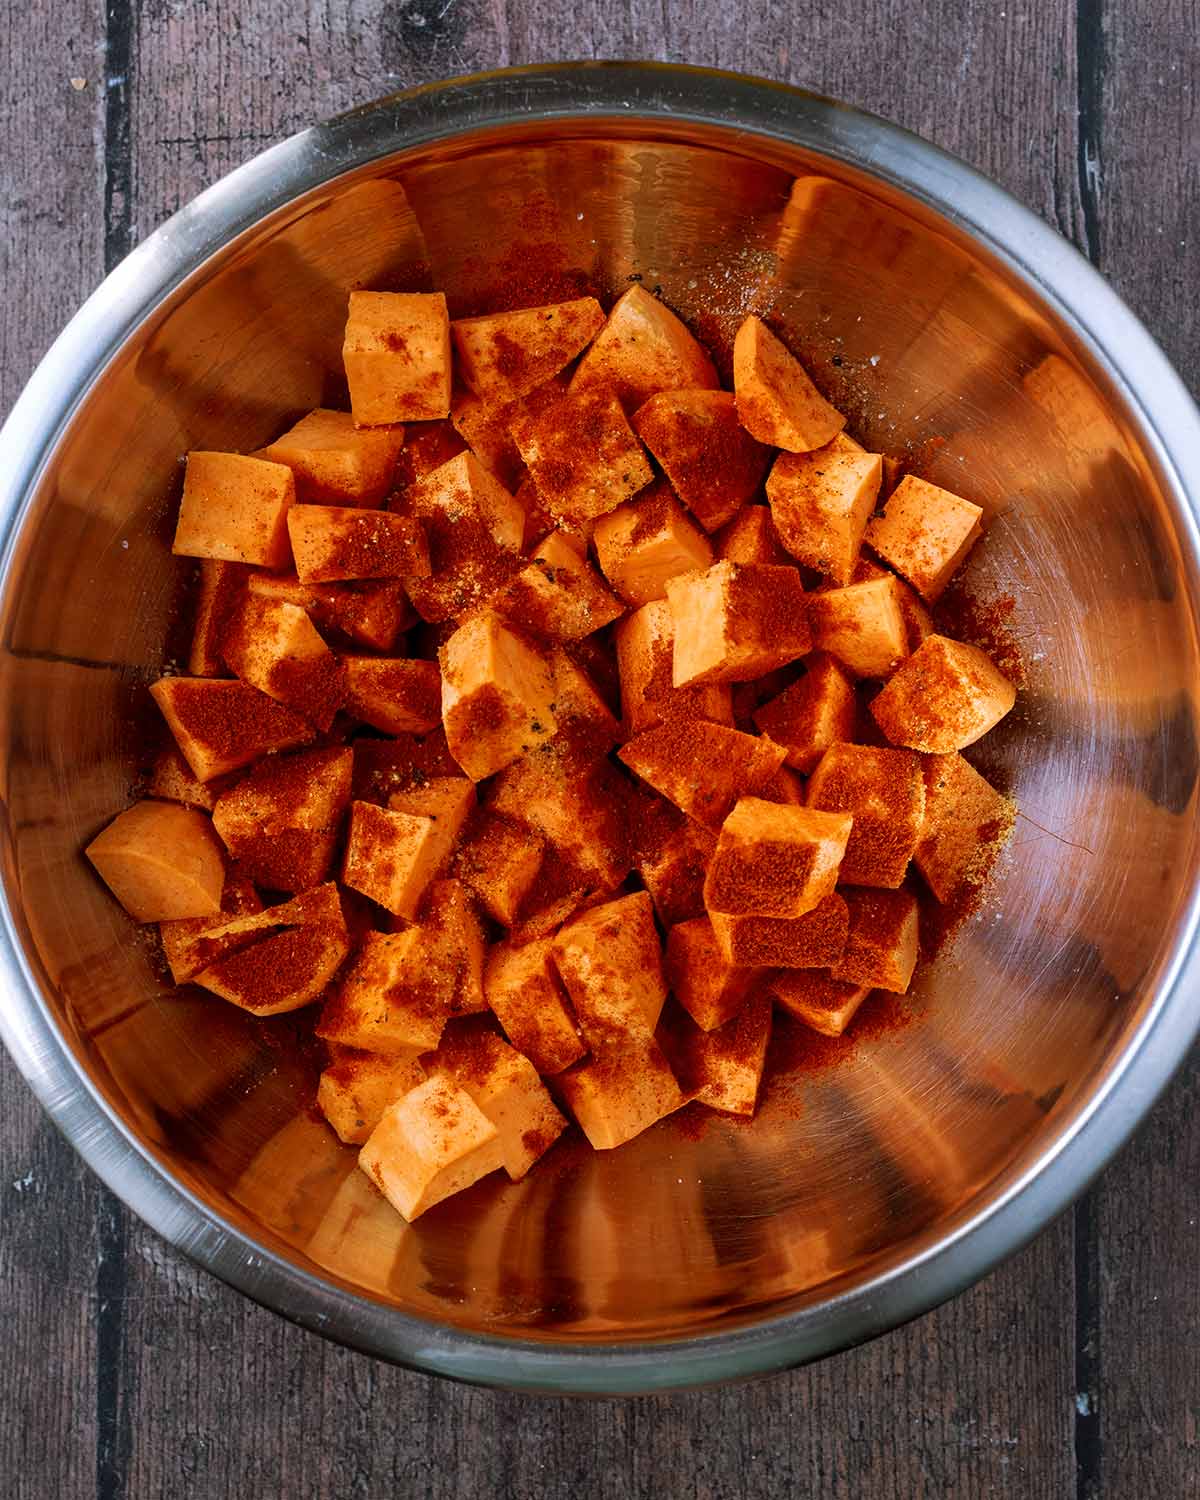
751, 538
703, 768
382, 767
918, 622
611, 963
821, 502
276, 648
647, 541
524, 994
281, 822
396, 994
431, 1143
538, 520
966, 823
583, 455
777, 403
448, 801
487, 429
924, 533
505, 355
369, 613
306, 943
454, 930
578, 705
814, 712
814, 941
861, 625
497, 693
335, 462
221, 726
642, 349
161, 861
392, 694
773, 860
335, 542
813, 996
171, 780
187, 941
723, 1067
944, 697
708, 987
392, 857
645, 644
736, 621
396, 351
881, 945
558, 594
235, 509
785, 786
621, 1092
356, 1088
713, 463
674, 865
221, 589
884, 793
500, 861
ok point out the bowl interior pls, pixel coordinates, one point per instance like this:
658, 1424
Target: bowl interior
934, 347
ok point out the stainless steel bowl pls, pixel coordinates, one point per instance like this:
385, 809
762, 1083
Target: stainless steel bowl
946, 317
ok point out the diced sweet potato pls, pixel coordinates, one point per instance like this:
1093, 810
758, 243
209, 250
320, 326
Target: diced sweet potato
393, 857
356, 1088
966, 823
305, 944
884, 793
647, 541
281, 822
369, 613
395, 695
497, 693
558, 594
396, 994
813, 996
335, 462
821, 503
382, 767
427, 446
645, 644
708, 987
396, 351
737, 621
672, 860
221, 588
777, 403
335, 542
814, 712
187, 942
221, 726
861, 625
785, 786
524, 993
505, 355
944, 697
235, 509
578, 705
703, 768
454, 930
171, 780
713, 463
642, 349
925, 532
621, 1092
723, 1067
751, 538
500, 861
275, 648
583, 455
487, 429
918, 622
161, 861
611, 963
773, 860
881, 945
814, 941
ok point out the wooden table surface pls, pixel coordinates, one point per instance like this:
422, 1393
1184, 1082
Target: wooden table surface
1072, 1371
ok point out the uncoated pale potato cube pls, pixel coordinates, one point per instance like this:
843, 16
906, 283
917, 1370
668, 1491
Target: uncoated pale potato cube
713, 463
221, 726
777, 403
578, 705
335, 542
821, 503
881, 946
925, 532
335, 462
276, 648
642, 349
161, 861
703, 768
944, 697
751, 538
723, 1068
966, 823
647, 541
737, 621
773, 860
558, 594
673, 860
397, 356
645, 643
430, 1144
393, 694
861, 625
621, 1092
813, 996
583, 455
813, 941
497, 693
235, 509
884, 793
356, 1088
281, 822
306, 943
610, 961
814, 712
396, 994
505, 355
708, 987
222, 586
500, 861
524, 993
392, 857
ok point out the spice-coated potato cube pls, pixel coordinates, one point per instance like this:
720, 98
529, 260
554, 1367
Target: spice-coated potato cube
774, 860
539, 522
621, 1092
814, 712
524, 994
702, 768
369, 613
187, 941
610, 961
814, 941
221, 726
281, 822
861, 625
645, 644
488, 431
884, 793
392, 694
500, 861
171, 780
924, 533
723, 1067
777, 403
708, 987
643, 543
356, 1088
397, 993
583, 455
393, 856
447, 801
966, 823
505, 355
427, 446
431, 1143
881, 945
382, 767
578, 705
558, 594
714, 465
821, 503
813, 996
235, 509
451, 922
737, 621
221, 589
943, 698
396, 351
751, 538
276, 648
642, 349
335, 542
161, 861
673, 861
306, 943
335, 462
497, 693
918, 622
